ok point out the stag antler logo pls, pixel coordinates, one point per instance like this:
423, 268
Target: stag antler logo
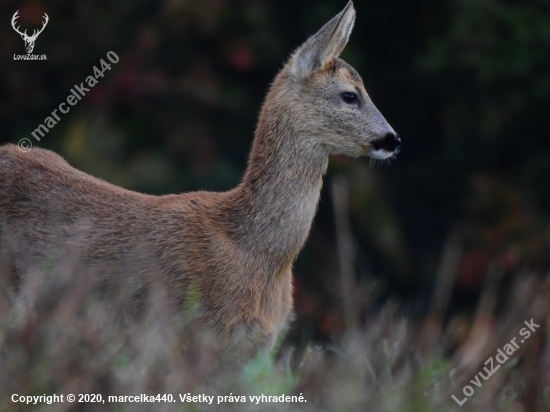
29, 40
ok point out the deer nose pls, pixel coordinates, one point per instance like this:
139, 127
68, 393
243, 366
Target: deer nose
390, 142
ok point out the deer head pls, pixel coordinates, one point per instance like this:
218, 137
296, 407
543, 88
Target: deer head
29, 40
327, 95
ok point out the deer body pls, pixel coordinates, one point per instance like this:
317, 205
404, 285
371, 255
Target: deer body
237, 247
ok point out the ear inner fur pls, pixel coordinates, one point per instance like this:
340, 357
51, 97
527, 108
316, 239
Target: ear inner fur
324, 45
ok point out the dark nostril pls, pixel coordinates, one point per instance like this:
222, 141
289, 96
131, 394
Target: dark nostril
397, 141
391, 142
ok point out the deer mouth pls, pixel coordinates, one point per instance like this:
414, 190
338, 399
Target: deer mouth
386, 146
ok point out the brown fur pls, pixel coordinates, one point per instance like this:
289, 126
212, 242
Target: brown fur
235, 248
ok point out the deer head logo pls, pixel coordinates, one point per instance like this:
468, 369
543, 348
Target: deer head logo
29, 40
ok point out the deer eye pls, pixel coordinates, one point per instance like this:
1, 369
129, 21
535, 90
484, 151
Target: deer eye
349, 98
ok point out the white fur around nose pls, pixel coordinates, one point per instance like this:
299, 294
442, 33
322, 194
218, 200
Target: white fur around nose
381, 154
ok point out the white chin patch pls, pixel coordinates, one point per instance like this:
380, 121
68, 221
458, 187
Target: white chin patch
380, 154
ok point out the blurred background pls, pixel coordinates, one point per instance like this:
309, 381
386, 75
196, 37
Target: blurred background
466, 84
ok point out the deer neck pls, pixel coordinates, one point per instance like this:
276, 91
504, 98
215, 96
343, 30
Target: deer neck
274, 206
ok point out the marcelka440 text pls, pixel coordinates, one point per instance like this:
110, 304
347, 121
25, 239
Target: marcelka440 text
77, 93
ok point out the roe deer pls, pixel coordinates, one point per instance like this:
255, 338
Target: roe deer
235, 248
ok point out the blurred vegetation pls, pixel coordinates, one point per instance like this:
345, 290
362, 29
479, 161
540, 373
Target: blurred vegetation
466, 83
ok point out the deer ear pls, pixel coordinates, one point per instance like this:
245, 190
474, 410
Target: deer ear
323, 45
